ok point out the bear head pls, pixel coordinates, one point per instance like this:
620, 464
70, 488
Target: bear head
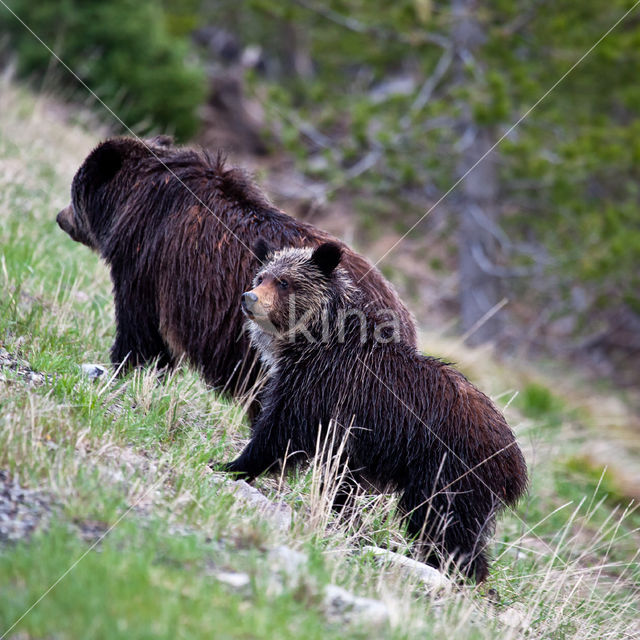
294, 286
97, 187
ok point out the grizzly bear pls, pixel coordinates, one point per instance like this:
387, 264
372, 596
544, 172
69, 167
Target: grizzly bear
407, 423
175, 226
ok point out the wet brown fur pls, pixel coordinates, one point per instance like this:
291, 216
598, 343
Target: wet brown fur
411, 423
174, 225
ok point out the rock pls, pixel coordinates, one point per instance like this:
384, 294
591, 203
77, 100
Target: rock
288, 561
21, 510
22, 369
35, 378
288, 567
233, 579
342, 604
515, 617
429, 576
279, 513
93, 371
91, 531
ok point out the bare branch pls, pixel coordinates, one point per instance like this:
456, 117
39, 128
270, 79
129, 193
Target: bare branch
432, 81
523, 19
482, 219
364, 164
357, 26
486, 265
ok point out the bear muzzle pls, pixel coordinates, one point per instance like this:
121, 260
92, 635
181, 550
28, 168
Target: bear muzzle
65, 220
248, 302
256, 305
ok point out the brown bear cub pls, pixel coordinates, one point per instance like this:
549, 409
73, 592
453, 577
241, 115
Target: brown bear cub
175, 225
410, 423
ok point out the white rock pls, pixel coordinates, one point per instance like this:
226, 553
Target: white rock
234, 579
277, 512
340, 603
285, 568
429, 576
515, 617
35, 378
93, 371
289, 562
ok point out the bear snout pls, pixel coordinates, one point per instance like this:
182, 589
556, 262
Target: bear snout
64, 219
67, 222
248, 302
249, 299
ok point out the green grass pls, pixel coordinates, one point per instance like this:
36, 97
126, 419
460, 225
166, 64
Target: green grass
161, 586
128, 457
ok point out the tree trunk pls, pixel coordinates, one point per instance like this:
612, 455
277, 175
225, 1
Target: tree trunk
479, 288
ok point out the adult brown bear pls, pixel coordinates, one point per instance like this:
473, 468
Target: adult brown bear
175, 225
401, 421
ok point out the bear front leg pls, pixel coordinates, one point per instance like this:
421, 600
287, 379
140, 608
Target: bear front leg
137, 339
253, 461
341, 490
266, 449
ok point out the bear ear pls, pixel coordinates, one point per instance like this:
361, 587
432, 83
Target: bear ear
327, 257
161, 141
104, 163
262, 251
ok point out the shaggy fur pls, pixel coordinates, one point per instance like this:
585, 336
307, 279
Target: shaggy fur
412, 424
177, 248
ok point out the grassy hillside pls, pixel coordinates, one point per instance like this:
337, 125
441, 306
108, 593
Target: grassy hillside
113, 527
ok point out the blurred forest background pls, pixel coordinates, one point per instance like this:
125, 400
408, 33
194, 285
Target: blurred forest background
361, 115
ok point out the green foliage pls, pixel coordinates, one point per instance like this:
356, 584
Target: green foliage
568, 173
572, 169
122, 50
537, 401
598, 481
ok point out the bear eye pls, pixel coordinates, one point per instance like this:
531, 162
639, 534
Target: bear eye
259, 280
283, 284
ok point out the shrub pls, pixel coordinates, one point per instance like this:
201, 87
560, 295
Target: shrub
121, 49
